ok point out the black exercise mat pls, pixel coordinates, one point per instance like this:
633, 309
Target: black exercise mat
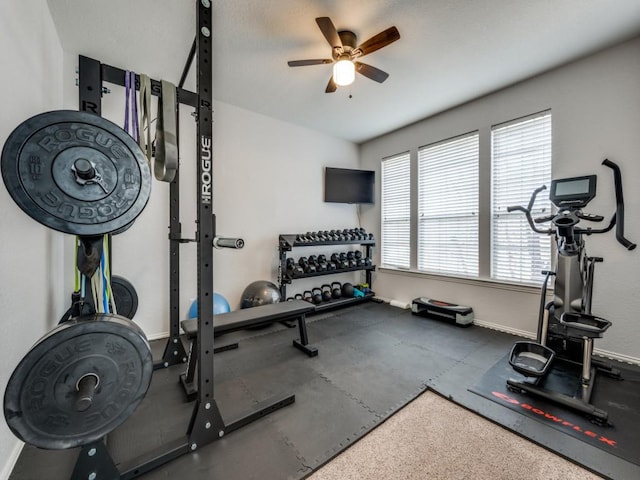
620, 398
373, 359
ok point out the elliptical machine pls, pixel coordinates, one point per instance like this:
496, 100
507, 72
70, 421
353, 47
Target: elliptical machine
566, 327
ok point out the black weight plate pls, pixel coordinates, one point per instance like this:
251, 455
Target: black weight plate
124, 296
39, 402
38, 161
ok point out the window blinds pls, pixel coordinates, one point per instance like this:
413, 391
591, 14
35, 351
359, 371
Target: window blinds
448, 207
396, 211
521, 162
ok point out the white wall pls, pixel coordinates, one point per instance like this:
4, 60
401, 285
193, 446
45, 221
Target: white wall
30, 293
595, 104
268, 178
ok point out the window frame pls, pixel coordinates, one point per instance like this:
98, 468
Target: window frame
485, 221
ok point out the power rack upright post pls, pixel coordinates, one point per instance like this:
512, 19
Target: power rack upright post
206, 424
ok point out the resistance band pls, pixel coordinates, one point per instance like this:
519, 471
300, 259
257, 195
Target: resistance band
145, 116
166, 158
131, 107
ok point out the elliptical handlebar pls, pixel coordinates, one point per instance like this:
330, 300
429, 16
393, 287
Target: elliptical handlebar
619, 215
527, 211
617, 219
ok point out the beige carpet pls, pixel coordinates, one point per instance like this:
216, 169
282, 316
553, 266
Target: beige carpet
433, 438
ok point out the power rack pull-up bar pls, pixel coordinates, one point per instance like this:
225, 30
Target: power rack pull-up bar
206, 424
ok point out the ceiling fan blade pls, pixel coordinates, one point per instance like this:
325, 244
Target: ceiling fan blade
329, 31
373, 73
302, 63
378, 41
331, 86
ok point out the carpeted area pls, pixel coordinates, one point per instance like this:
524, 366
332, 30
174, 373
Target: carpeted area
373, 360
434, 438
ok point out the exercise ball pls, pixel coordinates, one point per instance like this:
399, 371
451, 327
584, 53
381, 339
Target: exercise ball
220, 305
260, 292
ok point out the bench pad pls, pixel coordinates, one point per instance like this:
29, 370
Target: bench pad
251, 317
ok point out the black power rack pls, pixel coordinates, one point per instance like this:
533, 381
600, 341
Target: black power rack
206, 424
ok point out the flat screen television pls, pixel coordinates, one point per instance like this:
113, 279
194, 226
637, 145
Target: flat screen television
345, 185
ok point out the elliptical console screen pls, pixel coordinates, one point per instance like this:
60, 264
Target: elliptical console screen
573, 192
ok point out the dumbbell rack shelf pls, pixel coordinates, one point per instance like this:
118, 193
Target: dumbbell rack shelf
286, 243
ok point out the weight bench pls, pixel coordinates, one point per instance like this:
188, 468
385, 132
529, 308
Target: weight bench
240, 320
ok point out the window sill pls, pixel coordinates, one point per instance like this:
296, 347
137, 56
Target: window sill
479, 282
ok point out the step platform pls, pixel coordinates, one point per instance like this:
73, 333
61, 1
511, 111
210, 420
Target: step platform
438, 309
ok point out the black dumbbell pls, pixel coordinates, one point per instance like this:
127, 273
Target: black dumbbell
306, 266
336, 289
326, 292
293, 269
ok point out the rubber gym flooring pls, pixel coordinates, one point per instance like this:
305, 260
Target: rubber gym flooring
373, 359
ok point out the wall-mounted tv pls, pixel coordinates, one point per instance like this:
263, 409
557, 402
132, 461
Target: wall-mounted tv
345, 185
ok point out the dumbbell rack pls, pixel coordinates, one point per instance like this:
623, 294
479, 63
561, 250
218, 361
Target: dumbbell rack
286, 243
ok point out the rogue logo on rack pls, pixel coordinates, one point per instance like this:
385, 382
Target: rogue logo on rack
205, 176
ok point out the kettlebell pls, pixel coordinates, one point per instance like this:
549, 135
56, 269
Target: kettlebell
347, 290
298, 296
336, 292
316, 295
326, 292
307, 296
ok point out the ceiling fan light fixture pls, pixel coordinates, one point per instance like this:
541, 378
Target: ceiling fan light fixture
344, 72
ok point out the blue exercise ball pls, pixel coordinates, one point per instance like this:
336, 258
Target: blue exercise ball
220, 305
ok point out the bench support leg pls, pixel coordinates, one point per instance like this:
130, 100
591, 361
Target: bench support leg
303, 342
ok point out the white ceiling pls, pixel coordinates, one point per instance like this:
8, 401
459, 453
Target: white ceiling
450, 51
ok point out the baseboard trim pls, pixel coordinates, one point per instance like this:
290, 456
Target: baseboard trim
12, 460
522, 333
158, 336
502, 328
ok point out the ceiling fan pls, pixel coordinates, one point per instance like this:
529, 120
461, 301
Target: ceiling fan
344, 54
